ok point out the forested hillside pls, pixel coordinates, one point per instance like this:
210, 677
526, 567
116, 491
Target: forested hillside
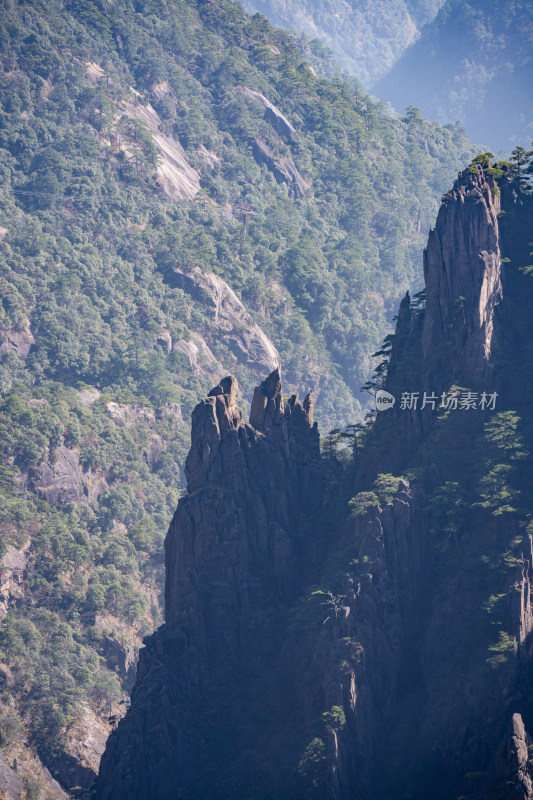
181, 197
465, 61
367, 38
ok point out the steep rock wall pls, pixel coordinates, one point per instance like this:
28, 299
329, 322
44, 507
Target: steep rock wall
452, 337
462, 271
231, 555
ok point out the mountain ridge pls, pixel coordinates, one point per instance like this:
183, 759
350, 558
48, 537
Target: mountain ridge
465, 62
367, 40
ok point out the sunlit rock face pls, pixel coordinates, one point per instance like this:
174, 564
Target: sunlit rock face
462, 269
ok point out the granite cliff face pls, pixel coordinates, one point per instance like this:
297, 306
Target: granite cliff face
451, 338
462, 270
231, 570
471, 710
325, 637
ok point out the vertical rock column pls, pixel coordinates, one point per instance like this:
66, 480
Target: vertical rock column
231, 566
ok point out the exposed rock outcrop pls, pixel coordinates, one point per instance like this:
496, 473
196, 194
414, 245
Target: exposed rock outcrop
13, 566
12, 781
231, 320
165, 340
283, 167
178, 179
62, 479
320, 641
201, 359
272, 114
462, 270
128, 416
88, 396
372, 642
120, 644
227, 570
451, 339
510, 775
17, 341
172, 412
79, 759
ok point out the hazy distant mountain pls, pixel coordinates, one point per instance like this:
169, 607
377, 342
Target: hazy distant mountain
456, 60
472, 63
367, 38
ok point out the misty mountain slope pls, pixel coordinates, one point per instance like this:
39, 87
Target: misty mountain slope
181, 197
339, 631
472, 63
466, 62
366, 38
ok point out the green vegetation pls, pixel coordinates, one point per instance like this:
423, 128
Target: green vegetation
366, 38
505, 646
32, 787
384, 489
386, 486
504, 447
91, 392
312, 764
334, 718
354, 238
363, 503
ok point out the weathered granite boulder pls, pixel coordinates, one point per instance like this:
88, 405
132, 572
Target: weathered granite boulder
272, 114
282, 167
18, 341
63, 480
13, 565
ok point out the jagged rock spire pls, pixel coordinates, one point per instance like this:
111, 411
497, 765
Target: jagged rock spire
267, 403
309, 406
219, 412
509, 775
233, 550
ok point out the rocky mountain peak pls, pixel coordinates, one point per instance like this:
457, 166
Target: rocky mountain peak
451, 338
232, 553
462, 270
316, 620
218, 413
